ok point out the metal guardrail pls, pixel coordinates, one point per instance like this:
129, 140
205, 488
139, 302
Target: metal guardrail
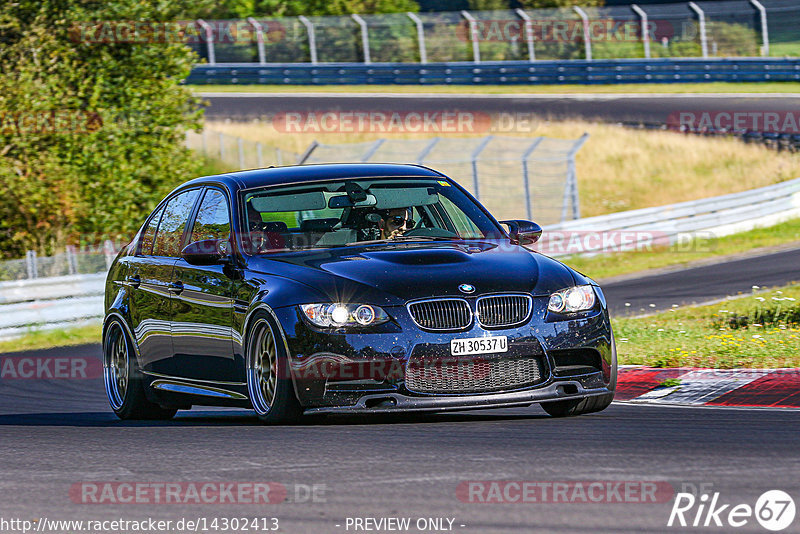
715, 216
605, 71
66, 300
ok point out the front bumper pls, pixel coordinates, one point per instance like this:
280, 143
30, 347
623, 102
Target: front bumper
327, 367
395, 403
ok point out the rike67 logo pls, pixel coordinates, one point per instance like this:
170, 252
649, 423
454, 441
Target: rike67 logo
774, 510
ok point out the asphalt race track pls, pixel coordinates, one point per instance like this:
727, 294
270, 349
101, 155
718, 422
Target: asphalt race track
59, 433
660, 292
643, 108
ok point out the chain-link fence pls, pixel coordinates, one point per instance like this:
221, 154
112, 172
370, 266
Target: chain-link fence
71, 261
742, 28
238, 153
514, 177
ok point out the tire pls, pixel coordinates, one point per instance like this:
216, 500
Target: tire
123, 379
596, 403
269, 382
568, 408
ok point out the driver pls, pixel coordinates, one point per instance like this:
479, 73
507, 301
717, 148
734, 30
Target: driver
395, 222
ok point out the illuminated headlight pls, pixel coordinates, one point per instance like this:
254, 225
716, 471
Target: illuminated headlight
339, 315
572, 299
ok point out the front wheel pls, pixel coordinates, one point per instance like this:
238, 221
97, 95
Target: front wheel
123, 381
268, 379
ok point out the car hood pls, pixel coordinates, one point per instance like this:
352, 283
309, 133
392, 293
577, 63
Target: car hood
392, 274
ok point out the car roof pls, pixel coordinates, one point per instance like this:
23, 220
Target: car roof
309, 173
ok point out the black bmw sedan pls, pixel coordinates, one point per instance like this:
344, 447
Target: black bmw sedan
347, 288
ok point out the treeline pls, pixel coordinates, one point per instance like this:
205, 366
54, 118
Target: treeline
92, 134
240, 9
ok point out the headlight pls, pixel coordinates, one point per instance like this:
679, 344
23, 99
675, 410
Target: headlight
339, 315
572, 299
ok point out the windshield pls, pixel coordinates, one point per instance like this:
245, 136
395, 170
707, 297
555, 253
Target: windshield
351, 212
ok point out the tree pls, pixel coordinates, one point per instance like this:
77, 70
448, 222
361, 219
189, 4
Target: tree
92, 124
535, 4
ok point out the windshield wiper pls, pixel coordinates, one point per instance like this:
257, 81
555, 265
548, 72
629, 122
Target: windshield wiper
404, 239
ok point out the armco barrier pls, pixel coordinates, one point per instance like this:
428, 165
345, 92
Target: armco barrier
717, 216
65, 300
603, 71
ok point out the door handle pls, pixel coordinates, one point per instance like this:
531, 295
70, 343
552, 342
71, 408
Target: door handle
175, 288
134, 281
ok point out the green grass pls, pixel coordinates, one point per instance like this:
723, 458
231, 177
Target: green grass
702, 336
620, 263
713, 87
45, 339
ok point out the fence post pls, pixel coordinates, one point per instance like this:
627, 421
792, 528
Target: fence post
259, 155
525, 180
764, 29
209, 40
587, 35
528, 32
423, 52
30, 264
701, 17
645, 30
571, 189
474, 157
427, 150
262, 56
372, 149
108, 249
473, 32
312, 38
72, 266
364, 36
240, 146
307, 154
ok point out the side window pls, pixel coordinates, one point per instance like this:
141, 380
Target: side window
173, 223
146, 244
213, 220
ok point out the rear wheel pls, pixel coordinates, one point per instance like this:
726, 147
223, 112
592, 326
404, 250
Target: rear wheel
123, 380
268, 379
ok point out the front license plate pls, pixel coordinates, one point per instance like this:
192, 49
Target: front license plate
478, 345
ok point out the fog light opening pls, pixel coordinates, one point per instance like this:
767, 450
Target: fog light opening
568, 389
381, 402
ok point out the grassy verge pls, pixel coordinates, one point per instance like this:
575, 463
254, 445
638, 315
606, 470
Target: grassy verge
757, 331
618, 168
621, 263
715, 87
45, 339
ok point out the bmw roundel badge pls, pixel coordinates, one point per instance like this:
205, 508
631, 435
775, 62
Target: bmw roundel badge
466, 288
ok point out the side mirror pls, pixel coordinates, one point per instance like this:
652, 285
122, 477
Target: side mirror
207, 252
523, 232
